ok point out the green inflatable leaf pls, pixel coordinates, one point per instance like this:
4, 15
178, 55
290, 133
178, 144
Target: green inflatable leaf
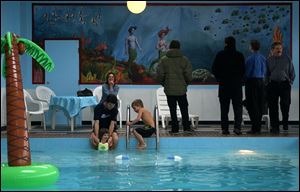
38, 54
3, 42
9, 41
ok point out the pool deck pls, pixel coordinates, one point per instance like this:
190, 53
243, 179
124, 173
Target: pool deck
206, 130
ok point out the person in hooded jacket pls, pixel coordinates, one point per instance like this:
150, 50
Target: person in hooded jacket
229, 69
175, 74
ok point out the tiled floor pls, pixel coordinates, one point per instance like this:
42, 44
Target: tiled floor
208, 130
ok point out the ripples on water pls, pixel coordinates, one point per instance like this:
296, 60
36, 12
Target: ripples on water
205, 169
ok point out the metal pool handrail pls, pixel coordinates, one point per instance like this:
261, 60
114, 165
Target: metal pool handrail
156, 126
127, 126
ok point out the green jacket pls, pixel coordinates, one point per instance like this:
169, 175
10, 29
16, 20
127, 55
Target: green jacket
174, 73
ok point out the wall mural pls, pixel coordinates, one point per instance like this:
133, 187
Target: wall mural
113, 39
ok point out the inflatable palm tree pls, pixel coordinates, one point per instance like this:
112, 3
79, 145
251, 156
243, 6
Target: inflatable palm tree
17, 132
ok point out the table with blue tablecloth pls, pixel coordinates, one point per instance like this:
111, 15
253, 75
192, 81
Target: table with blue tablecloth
71, 105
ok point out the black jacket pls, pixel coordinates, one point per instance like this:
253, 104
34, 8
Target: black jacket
229, 66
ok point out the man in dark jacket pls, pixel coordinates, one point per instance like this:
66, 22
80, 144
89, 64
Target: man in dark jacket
229, 70
174, 74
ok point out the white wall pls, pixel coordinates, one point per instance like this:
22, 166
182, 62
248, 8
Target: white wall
202, 101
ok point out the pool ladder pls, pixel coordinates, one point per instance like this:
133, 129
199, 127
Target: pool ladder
156, 126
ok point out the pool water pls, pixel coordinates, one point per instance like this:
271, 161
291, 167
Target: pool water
215, 164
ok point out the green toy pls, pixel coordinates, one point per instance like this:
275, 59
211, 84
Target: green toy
103, 146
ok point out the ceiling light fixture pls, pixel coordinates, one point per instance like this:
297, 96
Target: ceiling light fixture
136, 7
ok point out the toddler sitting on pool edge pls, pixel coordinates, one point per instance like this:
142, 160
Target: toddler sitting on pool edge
105, 142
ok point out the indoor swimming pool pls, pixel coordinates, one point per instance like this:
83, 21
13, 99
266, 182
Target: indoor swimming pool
210, 164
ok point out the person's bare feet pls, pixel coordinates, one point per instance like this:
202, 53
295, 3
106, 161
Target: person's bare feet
141, 146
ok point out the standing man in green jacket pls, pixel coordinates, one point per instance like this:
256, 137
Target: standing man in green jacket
174, 74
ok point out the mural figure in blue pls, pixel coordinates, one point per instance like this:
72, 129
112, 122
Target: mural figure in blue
131, 43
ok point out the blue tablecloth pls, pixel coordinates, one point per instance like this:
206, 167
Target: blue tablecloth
72, 104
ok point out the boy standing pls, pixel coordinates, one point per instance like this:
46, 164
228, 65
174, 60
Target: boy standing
147, 118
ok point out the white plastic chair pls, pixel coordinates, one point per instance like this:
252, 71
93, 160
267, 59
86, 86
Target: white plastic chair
164, 111
97, 92
44, 94
246, 117
40, 111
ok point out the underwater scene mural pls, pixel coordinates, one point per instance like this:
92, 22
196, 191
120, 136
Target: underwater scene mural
130, 45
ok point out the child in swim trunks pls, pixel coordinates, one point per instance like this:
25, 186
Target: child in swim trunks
147, 118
